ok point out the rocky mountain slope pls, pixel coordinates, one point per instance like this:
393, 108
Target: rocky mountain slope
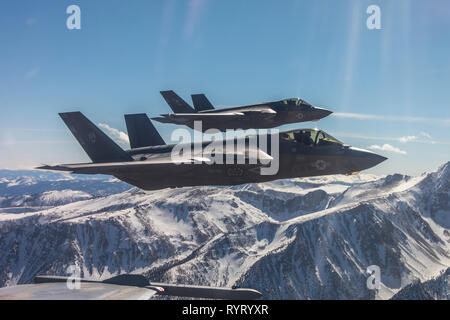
290, 239
434, 289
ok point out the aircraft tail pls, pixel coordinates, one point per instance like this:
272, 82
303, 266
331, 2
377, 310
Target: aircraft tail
201, 102
177, 104
98, 146
141, 131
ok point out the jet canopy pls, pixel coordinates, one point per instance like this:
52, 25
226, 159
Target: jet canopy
294, 102
310, 137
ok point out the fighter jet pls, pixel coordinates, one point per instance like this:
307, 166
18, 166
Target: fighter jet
150, 165
121, 287
262, 115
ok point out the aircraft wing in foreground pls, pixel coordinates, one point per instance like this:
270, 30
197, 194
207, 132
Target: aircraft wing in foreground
121, 287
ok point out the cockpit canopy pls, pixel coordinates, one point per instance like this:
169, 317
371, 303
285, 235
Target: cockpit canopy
295, 102
310, 137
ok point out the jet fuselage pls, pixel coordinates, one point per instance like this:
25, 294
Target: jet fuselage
251, 158
296, 159
264, 115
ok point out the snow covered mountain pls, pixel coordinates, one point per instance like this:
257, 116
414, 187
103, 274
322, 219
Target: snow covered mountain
27, 190
291, 239
434, 289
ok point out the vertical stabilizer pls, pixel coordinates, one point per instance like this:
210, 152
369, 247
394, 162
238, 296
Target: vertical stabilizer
201, 103
98, 146
141, 131
177, 104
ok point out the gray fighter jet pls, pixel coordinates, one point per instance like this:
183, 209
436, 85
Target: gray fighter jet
121, 287
262, 115
150, 165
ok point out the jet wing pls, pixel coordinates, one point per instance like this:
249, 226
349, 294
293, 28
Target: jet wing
261, 110
189, 117
215, 116
156, 165
87, 291
121, 287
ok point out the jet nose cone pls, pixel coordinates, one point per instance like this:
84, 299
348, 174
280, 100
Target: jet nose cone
379, 159
364, 159
373, 160
322, 113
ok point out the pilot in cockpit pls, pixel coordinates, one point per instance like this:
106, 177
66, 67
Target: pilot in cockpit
304, 137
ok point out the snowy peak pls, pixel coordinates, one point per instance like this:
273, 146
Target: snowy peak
26, 191
434, 289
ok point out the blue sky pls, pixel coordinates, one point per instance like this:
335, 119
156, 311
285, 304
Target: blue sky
389, 88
